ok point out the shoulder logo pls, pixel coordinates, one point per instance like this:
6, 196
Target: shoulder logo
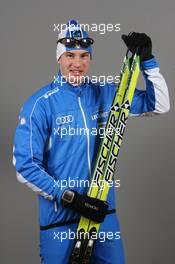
22, 121
46, 95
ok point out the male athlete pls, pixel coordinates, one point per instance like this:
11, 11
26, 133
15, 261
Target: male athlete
53, 158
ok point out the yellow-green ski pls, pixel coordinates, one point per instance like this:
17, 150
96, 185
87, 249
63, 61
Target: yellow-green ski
107, 155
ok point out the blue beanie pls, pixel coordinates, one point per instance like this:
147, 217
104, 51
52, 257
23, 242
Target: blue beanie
73, 30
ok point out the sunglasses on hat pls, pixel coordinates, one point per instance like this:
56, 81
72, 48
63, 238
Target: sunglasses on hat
73, 43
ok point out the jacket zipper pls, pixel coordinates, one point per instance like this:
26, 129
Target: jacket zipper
87, 134
88, 146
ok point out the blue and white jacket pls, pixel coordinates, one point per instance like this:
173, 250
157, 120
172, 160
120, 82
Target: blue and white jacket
49, 150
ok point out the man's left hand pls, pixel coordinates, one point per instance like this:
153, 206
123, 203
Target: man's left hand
139, 41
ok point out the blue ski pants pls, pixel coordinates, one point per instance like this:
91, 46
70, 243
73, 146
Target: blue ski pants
56, 245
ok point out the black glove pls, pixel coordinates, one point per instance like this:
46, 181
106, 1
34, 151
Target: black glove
89, 207
142, 42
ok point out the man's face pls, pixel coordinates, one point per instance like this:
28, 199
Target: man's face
74, 65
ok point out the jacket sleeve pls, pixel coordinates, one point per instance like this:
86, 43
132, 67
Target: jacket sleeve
29, 144
155, 99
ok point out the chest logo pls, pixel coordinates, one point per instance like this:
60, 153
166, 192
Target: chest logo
64, 119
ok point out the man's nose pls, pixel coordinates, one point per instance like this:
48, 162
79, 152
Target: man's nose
77, 62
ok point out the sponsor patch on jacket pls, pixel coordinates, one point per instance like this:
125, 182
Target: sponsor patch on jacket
100, 117
61, 120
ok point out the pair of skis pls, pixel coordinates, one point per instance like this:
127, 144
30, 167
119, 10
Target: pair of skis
87, 231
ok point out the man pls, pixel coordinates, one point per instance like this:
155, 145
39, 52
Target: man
47, 153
